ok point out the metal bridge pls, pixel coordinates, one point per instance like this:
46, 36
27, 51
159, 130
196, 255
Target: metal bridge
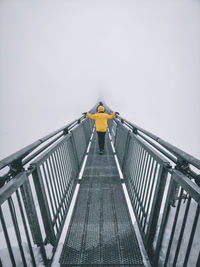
138, 171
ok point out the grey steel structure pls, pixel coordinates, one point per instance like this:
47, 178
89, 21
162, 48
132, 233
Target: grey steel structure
38, 182
101, 232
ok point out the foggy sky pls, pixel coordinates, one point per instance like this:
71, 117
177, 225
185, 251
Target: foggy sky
58, 58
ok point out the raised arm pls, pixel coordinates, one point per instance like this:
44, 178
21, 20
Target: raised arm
91, 116
111, 116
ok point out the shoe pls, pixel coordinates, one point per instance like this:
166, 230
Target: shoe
101, 152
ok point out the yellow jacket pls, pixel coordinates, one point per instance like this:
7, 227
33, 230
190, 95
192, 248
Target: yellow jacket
101, 120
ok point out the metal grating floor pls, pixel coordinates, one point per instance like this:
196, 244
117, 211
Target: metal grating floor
101, 232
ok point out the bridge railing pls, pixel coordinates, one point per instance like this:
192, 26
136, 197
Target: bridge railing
36, 193
164, 192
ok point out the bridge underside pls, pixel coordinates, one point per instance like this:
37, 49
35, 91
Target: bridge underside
101, 232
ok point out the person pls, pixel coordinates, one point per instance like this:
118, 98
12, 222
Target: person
101, 119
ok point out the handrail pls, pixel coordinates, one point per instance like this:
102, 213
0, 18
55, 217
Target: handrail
42, 190
155, 188
171, 148
22, 153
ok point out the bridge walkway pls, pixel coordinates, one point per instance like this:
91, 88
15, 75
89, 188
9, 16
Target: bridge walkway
101, 232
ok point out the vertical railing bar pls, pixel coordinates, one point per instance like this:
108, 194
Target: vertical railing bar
43, 203
140, 155
140, 164
123, 152
181, 232
32, 217
62, 163
60, 206
163, 222
73, 152
85, 131
133, 195
133, 159
70, 156
51, 184
135, 171
149, 174
132, 170
191, 236
85, 134
48, 189
128, 138
67, 165
7, 238
54, 175
151, 189
64, 168
60, 170
26, 229
17, 231
156, 205
147, 191
72, 176
141, 176
77, 144
57, 171
52, 179
144, 186
138, 158
63, 181
116, 132
74, 149
152, 185
173, 229
146, 167
127, 169
141, 170
59, 178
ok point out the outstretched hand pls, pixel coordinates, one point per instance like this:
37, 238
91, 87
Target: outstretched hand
84, 113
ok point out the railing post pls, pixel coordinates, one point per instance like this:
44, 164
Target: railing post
85, 133
156, 205
116, 131
163, 222
31, 213
43, 203
126, 150
75, 151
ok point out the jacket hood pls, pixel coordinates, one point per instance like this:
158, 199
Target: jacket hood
101, 109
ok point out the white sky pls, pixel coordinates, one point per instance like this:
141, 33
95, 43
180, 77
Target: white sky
58, 57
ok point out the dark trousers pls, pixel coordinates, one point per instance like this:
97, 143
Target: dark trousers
101, 139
